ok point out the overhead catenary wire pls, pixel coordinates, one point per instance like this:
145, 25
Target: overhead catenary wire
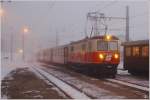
132, 18
108, 5
85, 28
138, 15
123, 27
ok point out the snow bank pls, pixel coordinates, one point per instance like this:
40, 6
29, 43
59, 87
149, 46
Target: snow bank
122, 72
120, 66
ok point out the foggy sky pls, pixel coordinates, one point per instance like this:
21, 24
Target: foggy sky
46, 18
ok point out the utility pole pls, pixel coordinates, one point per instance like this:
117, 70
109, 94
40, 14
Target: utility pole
23, 47
127, 23
96, 32
12, 40
5, 40
25, 30
106, 28
57, 40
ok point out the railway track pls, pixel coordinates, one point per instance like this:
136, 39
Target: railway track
146, 89
85, 89
63, 86
121, 82
123, 75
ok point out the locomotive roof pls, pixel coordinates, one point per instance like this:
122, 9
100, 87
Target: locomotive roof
139, 42
95, 37
104, 36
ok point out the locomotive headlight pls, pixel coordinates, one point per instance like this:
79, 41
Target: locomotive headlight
101, 56
108, 37
116, 56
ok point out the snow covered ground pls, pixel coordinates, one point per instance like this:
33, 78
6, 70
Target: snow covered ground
65, 87
120, 66
7, 66
123, 75
121, 70
86, 87
22, 83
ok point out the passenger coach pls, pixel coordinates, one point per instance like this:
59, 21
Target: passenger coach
136, 57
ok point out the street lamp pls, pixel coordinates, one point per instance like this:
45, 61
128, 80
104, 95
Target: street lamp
25, 30
20, 51
1, 12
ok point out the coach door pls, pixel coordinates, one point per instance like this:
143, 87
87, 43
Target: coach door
65, 55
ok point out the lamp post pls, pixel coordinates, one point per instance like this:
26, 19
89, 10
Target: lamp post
25, 30
11, 49
1, 12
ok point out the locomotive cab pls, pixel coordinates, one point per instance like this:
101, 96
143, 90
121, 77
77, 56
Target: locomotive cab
108, 50
106, 56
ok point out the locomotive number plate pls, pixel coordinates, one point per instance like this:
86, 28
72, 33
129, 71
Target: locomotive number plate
108, 57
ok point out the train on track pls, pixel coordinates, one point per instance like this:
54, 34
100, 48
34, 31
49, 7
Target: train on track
136, 57
97, 55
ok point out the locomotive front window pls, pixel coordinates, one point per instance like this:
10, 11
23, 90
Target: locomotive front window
113, 45
107, 45
102, 45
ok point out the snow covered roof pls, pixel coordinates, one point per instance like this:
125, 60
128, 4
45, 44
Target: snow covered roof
139, 42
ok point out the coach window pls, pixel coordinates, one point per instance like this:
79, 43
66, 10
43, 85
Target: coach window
61, 52
90, 46
145, 51
102, 45
83, 47
55, 52
58, 51
128, 51
136, 51
72, 48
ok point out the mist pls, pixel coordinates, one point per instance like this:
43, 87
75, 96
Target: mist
66, 20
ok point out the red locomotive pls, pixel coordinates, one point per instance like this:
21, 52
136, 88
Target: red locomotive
99, 55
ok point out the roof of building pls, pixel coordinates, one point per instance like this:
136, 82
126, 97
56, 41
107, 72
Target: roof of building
138, 42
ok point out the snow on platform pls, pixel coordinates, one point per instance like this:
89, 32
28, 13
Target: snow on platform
7, 67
